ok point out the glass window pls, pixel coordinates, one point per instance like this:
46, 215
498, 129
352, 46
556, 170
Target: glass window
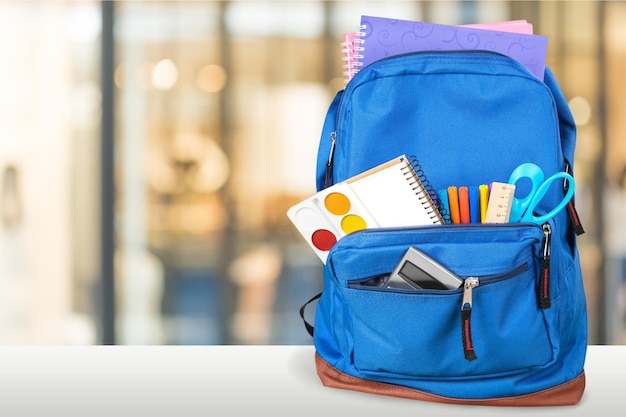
217, 127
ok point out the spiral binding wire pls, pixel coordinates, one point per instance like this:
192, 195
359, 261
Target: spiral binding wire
352, 49
414, 173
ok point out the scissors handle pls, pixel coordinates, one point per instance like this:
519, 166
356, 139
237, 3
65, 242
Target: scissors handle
529, 216
520, 205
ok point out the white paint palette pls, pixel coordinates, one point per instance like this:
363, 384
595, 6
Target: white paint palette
328, 216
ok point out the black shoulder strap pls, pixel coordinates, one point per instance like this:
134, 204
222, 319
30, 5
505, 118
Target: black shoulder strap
307, 325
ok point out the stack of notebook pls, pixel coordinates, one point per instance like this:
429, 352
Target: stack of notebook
379, 37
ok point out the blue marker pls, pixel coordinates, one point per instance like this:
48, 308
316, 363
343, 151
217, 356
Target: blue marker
444, 203
474, 202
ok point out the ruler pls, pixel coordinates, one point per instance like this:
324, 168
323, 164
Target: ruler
500, 202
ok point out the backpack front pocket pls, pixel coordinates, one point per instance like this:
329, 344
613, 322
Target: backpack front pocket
428, 333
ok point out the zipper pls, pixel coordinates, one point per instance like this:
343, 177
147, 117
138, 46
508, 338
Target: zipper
483, 52
375, 282
544, 283
571, 208
466, 315
449, 228
457, 227
469, 283
467, 304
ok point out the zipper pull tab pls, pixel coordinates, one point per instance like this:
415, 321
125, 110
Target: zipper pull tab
329, 163
466, 313
544, 284
571, 209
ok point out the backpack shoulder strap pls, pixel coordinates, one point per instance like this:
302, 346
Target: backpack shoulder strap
566, 120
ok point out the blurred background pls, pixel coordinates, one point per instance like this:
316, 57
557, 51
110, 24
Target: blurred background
149, 151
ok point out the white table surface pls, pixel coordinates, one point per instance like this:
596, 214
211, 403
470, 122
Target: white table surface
112, 381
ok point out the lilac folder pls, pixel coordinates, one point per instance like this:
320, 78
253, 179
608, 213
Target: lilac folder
384, 37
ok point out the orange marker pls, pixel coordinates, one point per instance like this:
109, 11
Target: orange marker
464, 205
453, 201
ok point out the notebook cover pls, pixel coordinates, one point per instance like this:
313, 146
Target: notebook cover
385, 37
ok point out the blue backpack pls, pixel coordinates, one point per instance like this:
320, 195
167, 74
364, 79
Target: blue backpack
470, 118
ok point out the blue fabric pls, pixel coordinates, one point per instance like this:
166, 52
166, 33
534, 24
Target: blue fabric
470, 118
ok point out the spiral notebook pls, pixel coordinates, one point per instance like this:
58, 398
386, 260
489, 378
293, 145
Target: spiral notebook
389, 195
350, 49
381, 37
395, 195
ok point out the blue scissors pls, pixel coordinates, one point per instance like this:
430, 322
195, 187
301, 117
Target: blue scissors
522, 209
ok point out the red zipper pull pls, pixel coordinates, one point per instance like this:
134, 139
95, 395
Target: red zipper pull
466, 314
571, 209
544, 283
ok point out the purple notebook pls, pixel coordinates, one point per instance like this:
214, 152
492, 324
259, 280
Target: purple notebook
384, 37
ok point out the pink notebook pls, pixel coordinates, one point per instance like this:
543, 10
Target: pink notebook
351, 50
515, 26
381, 37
